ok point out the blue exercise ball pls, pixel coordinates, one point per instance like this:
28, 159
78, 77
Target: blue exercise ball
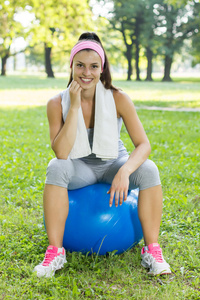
93, 226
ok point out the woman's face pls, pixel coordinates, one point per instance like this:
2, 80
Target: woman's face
86, 68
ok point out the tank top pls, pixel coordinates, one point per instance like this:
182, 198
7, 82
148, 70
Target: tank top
121, 149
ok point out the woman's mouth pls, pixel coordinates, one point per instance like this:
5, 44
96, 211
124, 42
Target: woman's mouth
86, 80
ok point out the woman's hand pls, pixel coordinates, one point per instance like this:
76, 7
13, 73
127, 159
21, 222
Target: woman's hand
75, 94
119, 187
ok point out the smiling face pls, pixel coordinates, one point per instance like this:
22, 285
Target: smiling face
87, 68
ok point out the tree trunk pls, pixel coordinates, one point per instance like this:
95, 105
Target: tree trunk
3, 64
137, 49
149, 55
14, 62
168, 64
48, 66
137, 58
129, 58
128, 52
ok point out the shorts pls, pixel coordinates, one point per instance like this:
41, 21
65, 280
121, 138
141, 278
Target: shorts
77, 173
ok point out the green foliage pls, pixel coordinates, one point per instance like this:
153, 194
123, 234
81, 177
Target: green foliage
9, 28
160, 27
25, 152
56, 27
179, 25
127, 18
195, 51
58, 24
112, 42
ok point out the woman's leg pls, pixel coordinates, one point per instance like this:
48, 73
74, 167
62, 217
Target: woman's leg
56, 207
61, 176
147, 179
150, 212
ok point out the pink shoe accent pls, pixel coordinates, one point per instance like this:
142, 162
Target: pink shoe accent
153, 260
143, 251
155, 251
50, 254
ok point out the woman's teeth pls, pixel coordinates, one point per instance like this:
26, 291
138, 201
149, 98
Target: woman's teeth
86, 79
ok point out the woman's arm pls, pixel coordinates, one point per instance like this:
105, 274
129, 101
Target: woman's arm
126, 110
63, 135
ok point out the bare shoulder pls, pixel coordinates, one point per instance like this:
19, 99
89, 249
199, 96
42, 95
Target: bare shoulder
54, 105
123, 103
54, 102
120, 96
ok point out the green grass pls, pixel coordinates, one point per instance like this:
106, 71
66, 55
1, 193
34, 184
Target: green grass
164, 94
180, 93
25, 153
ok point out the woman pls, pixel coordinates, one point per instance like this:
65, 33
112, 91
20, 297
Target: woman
88, 150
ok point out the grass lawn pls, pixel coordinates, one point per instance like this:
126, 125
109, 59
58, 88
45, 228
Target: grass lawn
180, 93
25, 153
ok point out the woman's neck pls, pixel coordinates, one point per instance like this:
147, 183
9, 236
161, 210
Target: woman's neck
88, 95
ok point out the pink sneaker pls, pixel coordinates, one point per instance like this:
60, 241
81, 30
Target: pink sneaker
153, 260
54, 259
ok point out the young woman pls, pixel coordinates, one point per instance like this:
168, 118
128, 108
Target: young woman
84, 123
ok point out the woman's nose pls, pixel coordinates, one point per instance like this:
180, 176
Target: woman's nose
86, 71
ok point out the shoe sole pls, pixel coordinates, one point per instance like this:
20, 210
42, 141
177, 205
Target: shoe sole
145, 265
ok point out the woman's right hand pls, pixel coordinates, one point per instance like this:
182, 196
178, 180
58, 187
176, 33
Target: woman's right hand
75, 94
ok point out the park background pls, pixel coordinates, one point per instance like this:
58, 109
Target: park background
154, 51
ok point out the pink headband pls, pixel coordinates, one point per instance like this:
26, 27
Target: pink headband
87, 45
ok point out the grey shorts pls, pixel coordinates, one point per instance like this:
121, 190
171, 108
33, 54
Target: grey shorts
76, 173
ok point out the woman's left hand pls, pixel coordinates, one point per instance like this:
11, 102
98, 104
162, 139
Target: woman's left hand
119, 188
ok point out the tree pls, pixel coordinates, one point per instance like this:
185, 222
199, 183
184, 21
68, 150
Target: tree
148, 36
177, 23
127, 18
196, 49
57, 25
9, 29
112, 42
196, 37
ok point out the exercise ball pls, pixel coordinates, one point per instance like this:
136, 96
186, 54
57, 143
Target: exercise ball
93, 226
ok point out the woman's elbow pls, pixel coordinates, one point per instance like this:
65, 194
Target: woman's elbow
146, 148
149, 148
60, 154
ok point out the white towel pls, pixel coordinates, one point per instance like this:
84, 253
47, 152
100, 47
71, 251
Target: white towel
105, 140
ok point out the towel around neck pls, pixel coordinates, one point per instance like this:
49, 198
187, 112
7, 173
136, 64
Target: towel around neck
105, 140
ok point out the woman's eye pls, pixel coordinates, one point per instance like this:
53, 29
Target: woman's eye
79, 65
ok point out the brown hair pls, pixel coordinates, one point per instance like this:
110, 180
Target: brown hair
105, 75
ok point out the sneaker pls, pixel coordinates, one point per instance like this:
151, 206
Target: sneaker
54, 259
153, 260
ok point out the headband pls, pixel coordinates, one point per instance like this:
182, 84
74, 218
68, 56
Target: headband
87, 45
